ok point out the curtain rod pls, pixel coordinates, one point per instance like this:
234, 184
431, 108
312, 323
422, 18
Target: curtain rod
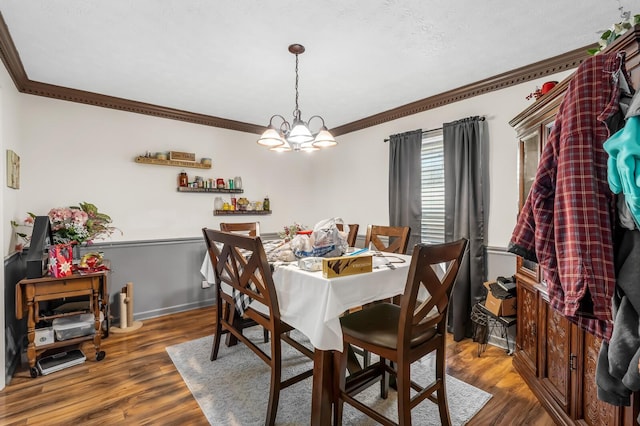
423, 132
433, 130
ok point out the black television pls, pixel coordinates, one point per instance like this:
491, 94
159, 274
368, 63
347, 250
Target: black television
38, 254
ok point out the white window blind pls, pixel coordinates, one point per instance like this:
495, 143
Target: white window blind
432, 187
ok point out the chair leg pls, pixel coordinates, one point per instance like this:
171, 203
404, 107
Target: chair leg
441, 393
367, 358
274, 387
236, 322
216, 342
265, 333
403, 383
218, 332
384, 380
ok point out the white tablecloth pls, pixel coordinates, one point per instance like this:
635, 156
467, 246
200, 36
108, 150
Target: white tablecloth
313, 304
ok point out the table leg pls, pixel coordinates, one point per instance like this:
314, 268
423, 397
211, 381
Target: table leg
98, 332
31, 335
322, 393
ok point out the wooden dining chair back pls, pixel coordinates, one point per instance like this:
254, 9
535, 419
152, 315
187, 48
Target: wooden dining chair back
252, 229
248, 228
390, 239
401, 335
241, 268
352, 236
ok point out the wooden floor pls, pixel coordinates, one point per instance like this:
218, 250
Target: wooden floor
137, 384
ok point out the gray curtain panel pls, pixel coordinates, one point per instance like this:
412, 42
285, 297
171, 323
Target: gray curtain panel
466, 190
405, 174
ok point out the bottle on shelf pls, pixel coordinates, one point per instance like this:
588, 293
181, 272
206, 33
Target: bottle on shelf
266, 205
183, 179
237, 181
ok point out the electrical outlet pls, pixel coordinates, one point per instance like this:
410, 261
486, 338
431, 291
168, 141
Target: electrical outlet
205, 284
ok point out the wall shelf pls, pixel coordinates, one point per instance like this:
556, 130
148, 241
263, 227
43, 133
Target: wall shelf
176, 163
217, 190
241, 212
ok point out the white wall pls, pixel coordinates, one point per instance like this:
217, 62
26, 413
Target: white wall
9, 139
74, 152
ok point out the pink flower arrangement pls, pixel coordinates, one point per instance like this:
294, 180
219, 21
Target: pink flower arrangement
75, 224
81, 224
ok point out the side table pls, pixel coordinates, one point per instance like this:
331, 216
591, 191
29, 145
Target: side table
30, 292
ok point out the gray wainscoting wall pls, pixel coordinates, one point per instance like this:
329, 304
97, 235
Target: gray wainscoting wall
15, 268
165, 275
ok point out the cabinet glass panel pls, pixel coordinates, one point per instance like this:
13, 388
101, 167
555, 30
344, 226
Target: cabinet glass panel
529, 158
530, 151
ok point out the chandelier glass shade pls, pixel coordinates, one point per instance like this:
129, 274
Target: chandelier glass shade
297, 136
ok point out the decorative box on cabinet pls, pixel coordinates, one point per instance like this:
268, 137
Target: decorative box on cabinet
555, 357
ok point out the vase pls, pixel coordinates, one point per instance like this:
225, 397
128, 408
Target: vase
76, 253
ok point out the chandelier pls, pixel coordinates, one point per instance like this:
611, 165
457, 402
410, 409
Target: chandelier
296, 136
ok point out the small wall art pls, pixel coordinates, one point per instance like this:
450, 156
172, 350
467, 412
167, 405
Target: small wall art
13, 170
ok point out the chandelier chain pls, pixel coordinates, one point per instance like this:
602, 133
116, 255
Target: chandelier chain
295, 113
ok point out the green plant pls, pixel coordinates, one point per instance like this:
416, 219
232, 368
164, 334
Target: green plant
614, 32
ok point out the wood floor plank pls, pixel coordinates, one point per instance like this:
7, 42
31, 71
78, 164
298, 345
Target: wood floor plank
137, 382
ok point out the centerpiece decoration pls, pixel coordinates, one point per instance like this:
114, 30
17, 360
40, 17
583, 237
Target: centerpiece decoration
291, 231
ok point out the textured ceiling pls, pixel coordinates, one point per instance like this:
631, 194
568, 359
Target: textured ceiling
229, 58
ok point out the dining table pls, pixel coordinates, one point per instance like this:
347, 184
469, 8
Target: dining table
314, 304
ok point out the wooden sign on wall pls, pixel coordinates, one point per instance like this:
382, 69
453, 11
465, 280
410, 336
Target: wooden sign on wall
13, 170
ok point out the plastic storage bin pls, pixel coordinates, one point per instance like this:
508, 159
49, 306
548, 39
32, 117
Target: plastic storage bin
75, 326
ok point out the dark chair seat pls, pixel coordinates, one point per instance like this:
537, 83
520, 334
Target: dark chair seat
383, 318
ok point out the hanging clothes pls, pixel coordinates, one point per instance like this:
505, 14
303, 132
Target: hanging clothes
566, 224
618, 367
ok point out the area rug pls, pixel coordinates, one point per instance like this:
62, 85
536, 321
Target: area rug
234, 389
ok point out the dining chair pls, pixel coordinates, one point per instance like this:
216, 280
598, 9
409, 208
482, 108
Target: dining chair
241, 266
246, 228
403, 334
390, 239
353, 233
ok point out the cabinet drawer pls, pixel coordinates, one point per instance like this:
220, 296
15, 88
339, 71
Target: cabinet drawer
63, 286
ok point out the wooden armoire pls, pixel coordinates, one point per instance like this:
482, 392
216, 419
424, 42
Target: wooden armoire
556, 358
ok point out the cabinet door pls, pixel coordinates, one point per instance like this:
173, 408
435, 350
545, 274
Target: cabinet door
556, 355
527, 332
589, 409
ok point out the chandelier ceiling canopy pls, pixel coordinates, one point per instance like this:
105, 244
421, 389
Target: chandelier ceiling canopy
296, 136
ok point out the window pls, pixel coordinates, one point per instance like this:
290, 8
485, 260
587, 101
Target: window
432, 159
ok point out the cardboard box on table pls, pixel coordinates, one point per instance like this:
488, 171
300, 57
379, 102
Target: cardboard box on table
346, 265
499, 307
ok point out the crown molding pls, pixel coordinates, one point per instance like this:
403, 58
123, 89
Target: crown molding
96, 99
534, 71
11, 59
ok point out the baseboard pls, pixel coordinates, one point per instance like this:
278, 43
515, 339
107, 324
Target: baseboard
170, 310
